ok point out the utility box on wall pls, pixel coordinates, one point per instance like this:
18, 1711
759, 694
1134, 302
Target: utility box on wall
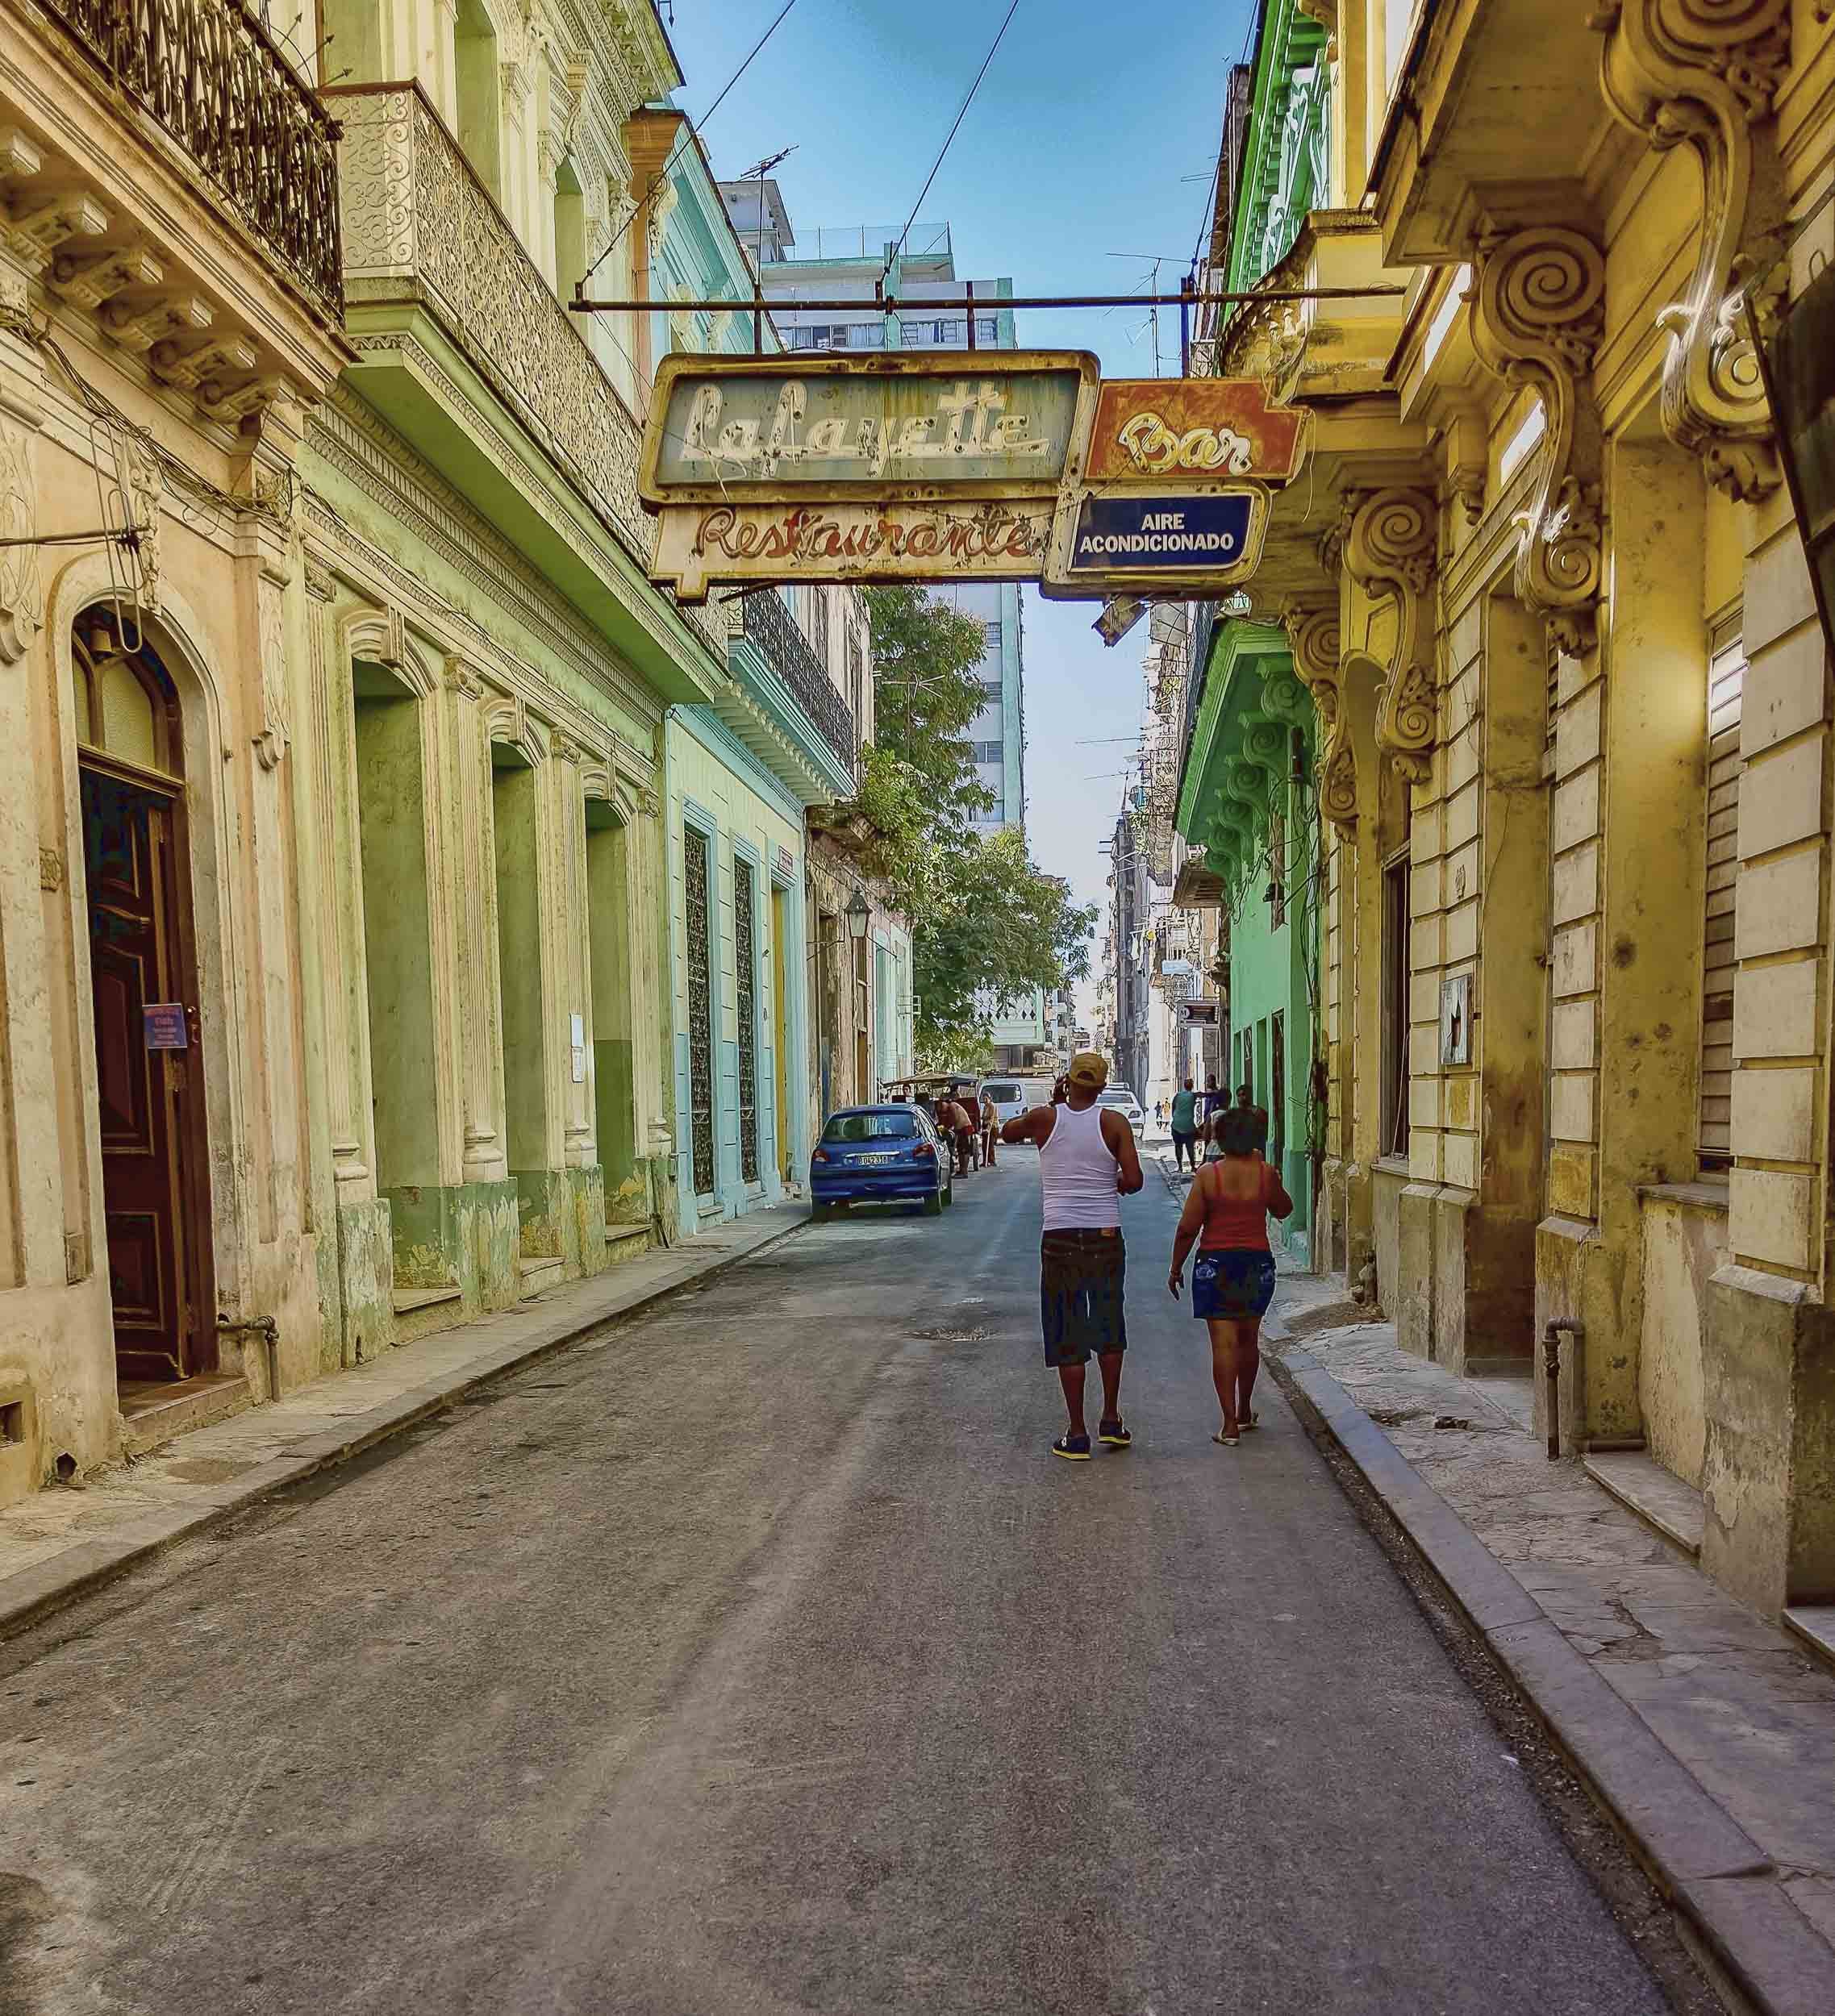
1456, 1018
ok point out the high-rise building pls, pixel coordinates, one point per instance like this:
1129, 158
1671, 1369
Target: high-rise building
843, 264
853, 263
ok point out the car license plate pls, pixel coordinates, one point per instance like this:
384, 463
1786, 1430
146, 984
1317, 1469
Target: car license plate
869, 1161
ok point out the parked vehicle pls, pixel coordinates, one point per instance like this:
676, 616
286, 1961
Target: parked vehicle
1125, 1103
1017, 1094
889, 1154
926, 1090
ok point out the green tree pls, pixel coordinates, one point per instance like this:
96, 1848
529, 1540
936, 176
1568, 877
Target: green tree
986, 923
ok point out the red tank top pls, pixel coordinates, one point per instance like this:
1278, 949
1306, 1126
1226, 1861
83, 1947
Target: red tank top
1237, 1224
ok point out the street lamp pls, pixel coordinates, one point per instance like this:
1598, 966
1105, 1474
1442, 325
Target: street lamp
859, 914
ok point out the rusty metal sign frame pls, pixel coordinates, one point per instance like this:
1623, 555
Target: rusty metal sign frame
660, 494
1062, 581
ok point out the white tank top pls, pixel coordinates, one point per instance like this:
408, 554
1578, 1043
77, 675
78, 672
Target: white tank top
1078, 1170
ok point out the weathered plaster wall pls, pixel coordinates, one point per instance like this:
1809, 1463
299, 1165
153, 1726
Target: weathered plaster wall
1685, 1241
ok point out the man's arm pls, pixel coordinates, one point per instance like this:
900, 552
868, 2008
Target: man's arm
1120, 1137
1034, 1125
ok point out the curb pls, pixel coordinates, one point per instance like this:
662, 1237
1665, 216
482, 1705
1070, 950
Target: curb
1714, 1876
33, 1592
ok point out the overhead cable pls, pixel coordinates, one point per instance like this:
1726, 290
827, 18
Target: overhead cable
662, 175
987, 61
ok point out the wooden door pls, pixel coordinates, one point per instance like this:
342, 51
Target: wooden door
150, 1099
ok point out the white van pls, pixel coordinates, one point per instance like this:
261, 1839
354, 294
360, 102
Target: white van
1012, 1095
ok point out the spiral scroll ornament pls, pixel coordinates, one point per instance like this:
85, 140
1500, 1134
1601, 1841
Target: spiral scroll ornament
1338, 784
1314, 637
1390, 552
1537, 314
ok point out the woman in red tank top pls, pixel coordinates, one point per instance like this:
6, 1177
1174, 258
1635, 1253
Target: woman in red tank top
1226, 1216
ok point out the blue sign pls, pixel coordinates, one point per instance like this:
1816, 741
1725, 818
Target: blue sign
1117, 535
163, 1023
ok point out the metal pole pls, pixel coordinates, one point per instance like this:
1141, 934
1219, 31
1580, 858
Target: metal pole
1184, 288
895, 303
970, 286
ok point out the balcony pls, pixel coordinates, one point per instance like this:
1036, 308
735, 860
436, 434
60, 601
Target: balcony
211, 76
782, 704
463, 348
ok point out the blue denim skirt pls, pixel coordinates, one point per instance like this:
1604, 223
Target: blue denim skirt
1235, 1283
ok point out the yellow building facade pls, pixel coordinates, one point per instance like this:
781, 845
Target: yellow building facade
1543, 578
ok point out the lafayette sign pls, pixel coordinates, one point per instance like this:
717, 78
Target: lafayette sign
892, 428
938, 466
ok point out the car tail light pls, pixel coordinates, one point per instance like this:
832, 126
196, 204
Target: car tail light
923, 1152
821, 1155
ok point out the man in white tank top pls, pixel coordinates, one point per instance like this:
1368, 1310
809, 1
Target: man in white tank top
1087, 1164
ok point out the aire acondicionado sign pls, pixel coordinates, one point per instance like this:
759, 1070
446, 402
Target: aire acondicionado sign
962, 465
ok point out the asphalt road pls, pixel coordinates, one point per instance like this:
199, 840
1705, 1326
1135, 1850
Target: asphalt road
759, 1657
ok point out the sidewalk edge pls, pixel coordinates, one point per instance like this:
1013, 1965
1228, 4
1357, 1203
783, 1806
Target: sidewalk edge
33, 1593
1715, 1878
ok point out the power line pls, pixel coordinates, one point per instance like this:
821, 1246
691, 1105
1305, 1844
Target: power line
935, 166
661, 174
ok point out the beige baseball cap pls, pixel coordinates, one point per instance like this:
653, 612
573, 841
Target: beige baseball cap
1087, 1068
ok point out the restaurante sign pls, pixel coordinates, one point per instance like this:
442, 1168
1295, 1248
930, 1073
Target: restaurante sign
958, 466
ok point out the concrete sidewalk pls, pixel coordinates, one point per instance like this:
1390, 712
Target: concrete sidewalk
56, 1544
1707, 1733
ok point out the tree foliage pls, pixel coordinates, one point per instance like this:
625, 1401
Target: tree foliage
987, 924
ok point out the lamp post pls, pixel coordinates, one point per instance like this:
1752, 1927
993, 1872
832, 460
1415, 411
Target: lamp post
859, 915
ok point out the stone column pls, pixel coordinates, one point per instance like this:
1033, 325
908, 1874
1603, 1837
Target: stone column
477, 1038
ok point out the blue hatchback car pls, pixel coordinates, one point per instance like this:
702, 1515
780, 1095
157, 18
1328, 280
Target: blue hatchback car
878, 1155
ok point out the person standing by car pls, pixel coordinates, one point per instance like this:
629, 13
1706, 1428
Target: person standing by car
990, 1127
957, 1129
1087, 1164
1185, 1127
1226, 1214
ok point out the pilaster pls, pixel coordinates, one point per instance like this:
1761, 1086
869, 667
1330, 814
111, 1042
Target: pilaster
477, 1038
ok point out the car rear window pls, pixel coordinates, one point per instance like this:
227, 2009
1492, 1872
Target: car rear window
869, 1126
1002, 1095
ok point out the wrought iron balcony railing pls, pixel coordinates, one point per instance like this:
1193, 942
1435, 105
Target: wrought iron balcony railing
771, 626
211, 74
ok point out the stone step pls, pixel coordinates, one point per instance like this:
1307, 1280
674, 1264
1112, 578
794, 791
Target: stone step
1659, 1497
155, 1412
1815, 1624
544, 1271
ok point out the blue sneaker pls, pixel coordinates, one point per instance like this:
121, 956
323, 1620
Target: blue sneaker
1074, 1448
1112, 1435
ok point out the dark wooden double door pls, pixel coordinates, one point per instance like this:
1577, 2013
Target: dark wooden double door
156, 1198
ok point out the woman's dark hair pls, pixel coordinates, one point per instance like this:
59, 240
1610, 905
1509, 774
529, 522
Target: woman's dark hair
1240, 1131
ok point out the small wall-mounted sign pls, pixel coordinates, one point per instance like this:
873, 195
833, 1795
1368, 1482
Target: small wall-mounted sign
1456, 1018
1199, 1014
162, 1024
787, 863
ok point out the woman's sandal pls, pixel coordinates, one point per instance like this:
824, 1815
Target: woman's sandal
1250, 1421
1228, 1441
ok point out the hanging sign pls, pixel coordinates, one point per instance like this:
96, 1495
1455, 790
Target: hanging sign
917, 426
843, 541
1156, 543
1161, 429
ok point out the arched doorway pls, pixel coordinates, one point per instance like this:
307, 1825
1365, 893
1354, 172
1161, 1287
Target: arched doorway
142, 976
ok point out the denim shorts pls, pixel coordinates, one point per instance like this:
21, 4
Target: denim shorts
1235, 1282
1083, 1286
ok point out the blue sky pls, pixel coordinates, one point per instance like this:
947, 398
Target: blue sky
1095, 133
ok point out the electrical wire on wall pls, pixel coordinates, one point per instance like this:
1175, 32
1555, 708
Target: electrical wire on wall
137, 477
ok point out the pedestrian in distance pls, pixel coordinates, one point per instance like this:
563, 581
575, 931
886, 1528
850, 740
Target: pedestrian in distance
1226, 1216
1185, 1128
1087, 1164
1245, 1103
989, 1128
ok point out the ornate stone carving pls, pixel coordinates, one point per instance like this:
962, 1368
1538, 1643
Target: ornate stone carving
463, 678
1703, 73
143, 511
22, 588
1390, 552
319, 583
1338, 789
1315, 638
271, 743
1538, 312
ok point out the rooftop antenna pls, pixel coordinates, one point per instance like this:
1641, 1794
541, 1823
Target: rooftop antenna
1157, 259
761, 171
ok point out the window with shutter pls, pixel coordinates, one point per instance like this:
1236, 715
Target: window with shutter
1726, 680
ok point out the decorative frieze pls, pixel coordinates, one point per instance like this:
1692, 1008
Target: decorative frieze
1390, 551
1537, 315
1700, 74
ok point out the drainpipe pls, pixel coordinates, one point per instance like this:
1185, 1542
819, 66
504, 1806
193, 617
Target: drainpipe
269, 1331
1553, 1332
